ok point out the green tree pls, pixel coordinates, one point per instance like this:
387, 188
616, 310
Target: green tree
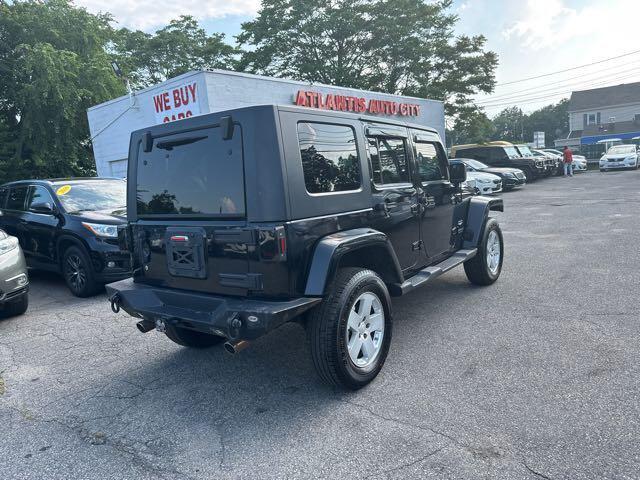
173, 50
471, 126
54, 66
509, 125
553, 120
397, 46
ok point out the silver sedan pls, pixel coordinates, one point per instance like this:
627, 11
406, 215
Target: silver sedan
14, 281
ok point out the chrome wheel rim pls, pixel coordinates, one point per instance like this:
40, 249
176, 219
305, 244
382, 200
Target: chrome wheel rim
75, 272
493, 252
365, 330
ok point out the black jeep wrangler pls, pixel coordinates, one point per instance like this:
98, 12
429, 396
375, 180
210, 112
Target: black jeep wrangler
243, 220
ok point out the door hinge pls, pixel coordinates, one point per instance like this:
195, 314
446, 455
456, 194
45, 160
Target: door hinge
415, 246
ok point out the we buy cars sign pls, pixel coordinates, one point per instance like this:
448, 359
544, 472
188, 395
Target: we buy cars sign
177, 103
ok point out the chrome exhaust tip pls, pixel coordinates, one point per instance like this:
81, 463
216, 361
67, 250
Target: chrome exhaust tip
236, 347
145, 326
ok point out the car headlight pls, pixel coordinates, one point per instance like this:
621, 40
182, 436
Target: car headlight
7, 244
539, 163
510, 175
102, 230
630, 159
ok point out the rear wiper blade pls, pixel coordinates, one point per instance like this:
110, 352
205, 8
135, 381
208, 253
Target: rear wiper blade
168, 145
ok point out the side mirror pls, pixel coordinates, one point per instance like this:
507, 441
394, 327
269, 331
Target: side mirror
457, 172
42, 207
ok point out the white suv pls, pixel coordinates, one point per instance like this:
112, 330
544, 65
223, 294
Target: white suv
618, 157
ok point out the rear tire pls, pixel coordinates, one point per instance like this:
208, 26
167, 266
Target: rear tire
484, 269
17, 307
191, 338
529, 174
350, 331
78, 272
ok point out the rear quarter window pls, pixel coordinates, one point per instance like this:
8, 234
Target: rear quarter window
329, 155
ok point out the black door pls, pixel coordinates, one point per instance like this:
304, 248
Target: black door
438, 198
12, 219
395, 197
40, 232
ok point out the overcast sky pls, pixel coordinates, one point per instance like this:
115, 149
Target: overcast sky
531, 38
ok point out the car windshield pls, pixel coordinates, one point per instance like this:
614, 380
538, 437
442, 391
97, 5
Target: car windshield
524, 151
512, 152
475, 164
93, 195
621, 149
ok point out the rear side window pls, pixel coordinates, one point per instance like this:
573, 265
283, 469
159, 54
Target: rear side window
17, 198
389, 162
329, 155
431, 162
192, 173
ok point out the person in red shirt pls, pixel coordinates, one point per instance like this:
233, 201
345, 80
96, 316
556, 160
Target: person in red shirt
567, 157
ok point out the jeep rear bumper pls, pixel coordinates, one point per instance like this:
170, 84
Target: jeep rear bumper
235, 318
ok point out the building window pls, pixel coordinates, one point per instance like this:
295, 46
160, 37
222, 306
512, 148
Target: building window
388, 160
591, 119
330, 161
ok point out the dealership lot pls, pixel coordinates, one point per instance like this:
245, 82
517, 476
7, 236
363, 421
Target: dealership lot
533, 377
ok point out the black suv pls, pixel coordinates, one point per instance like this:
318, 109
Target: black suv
243, 220
503, 156
69, 226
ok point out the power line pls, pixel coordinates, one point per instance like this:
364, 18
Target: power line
528, 99
570, 81
568, 69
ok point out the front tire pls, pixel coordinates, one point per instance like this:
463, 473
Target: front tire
191, 338
350, 331
485, 267
78, 272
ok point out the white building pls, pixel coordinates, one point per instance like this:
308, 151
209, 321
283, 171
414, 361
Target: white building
199, 92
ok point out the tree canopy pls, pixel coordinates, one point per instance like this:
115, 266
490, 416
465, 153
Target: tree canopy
404, 47
179, 47
54, 66
55, 63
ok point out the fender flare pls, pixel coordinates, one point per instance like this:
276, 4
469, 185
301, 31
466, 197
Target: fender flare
71, 239
331, 249
477, 215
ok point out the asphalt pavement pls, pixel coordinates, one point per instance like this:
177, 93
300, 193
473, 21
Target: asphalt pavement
534, 377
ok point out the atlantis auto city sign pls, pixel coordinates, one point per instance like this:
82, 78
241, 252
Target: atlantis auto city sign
347, 103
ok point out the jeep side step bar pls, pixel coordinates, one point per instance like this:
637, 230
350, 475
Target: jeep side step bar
430, 273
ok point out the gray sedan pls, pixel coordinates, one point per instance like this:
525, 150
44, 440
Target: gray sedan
14, 282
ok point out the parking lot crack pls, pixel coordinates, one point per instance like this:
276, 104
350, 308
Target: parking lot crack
452, 439
408, 464
535, 473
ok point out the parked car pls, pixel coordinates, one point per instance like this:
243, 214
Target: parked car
69, 226
619, 157
14, 281
501, 154
552, 161
486, 183
580, 163
291, 214
511, 177
550, 164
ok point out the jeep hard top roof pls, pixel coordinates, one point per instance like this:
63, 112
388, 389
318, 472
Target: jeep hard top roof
293, 108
